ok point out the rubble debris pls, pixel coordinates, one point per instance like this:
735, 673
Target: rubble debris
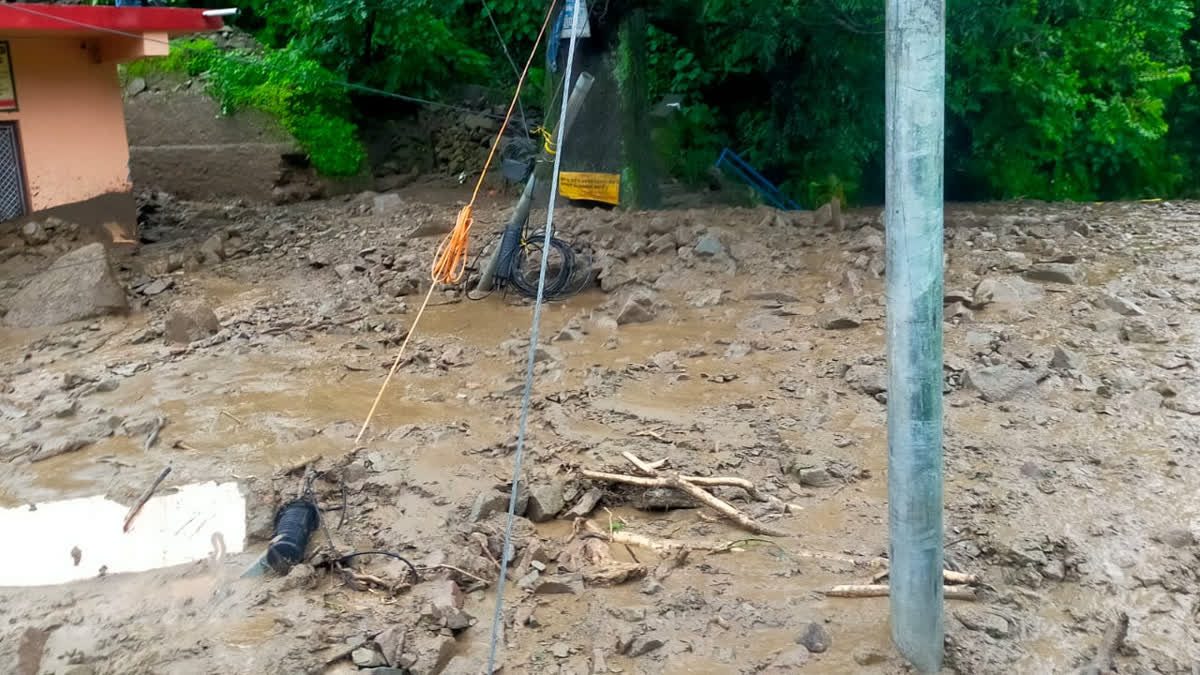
79, 285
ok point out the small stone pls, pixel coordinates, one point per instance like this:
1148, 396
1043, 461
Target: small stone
1007, 290
815, 638
1054, 570
1122, 306
432, 652
136, 86
630, 614
644, 645
639, 308
599, 662
300, 576
1186, 401
1000, 383
984, 621
1065, 359
344, 270
560, 650
190, 322
79, 285
157, 287
1145, 330
487, 503
1177, 538
839, 320
708, 297
708, 246
1059, 273
364, 657
391, 644
869, 656
560, 584
34, 234
586, 504
213, 249
545, 502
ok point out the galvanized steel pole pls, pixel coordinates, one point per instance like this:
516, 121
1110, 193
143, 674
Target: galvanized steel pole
916, 81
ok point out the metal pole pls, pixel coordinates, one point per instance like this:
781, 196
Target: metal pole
916, 80
583, 85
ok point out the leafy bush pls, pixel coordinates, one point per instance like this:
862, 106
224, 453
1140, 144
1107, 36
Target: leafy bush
306, 99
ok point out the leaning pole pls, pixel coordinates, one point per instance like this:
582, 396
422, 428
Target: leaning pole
916, 80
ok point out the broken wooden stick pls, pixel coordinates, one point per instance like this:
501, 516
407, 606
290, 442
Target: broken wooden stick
141, 501
949, 576
303, 464
723, 508
695, 492
671, 545
1106, 653
651, 469
882, 590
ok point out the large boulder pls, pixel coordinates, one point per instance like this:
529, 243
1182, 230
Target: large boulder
79, 285
189, 322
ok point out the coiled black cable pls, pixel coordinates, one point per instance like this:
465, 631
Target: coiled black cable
573, 275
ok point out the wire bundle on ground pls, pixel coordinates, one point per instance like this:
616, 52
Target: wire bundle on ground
573, 274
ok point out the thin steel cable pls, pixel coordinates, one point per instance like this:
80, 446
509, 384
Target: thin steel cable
504, 47
527, 397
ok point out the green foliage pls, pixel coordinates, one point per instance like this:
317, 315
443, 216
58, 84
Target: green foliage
305, 98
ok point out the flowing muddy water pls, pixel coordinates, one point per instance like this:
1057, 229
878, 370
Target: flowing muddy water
1071, 496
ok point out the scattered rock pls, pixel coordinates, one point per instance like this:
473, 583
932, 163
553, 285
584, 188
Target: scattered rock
61, 445
815, 638
1121, 305
344, 270
1176, 538
446, 603
984, 621
301, 575
839, 320
1008, 290
560, 650
559, 584
79, 285
136, 86
431, 653
545, 502
158, 287
1186, 401
1000, 383
189, 322
488, 503
1059, 273
585, 505
213, 249
1065, 359
708, 246
638, 308
1145, 330
364, 657
643, 645
869, 379
34, 234
708, 297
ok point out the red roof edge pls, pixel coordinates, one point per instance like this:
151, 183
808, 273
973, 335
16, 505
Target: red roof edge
22, 17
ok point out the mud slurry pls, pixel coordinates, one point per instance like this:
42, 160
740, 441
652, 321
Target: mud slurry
1070, 454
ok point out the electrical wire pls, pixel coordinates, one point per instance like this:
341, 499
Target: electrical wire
413, 568
573, 275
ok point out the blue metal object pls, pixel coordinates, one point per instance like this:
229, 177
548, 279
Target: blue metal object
754, 179
915, 133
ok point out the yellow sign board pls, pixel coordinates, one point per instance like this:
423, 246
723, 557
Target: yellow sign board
595, 187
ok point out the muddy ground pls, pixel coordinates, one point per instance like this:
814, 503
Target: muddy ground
755, 350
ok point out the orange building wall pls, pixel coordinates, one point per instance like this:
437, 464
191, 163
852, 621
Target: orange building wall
71, 121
